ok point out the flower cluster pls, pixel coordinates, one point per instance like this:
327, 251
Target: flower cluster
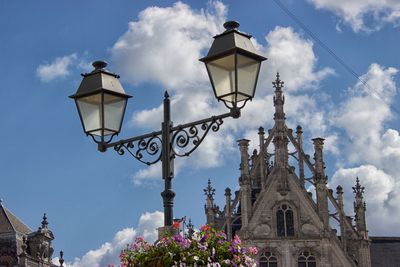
207, 247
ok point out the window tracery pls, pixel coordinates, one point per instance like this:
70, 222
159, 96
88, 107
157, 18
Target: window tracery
268, 259
306, 259
285, 221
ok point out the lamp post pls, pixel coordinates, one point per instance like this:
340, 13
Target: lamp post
233, 66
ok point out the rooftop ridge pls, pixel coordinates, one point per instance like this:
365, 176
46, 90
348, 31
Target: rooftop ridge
11, 223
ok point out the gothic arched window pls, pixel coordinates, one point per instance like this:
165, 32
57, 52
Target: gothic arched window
285, 221
306, 259
267, 259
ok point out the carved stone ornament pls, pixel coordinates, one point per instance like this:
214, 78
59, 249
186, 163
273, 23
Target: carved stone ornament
308, 229
262, 230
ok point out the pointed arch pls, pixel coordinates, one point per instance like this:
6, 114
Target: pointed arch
285, 220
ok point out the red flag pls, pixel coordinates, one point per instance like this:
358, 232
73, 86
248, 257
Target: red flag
176, 224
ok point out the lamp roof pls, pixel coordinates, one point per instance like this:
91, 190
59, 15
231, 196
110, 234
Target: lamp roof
230, 40
100, 80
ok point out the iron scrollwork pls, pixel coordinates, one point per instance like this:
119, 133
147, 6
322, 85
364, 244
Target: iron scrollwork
192, 136
184, 139
146, 150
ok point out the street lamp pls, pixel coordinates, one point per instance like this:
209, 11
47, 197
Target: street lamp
233, 66
101, 102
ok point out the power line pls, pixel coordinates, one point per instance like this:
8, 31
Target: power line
330, 51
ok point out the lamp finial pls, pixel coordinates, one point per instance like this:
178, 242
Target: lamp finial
231, 25
99, 64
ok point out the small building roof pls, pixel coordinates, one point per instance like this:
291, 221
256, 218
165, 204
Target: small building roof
10, 223
385, 251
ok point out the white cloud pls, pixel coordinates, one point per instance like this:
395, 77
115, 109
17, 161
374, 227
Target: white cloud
148, 175
148, 225
58, 68
382, 193
331, 143
61, 67
391, 152
188, 105
108, 253
380, 83
293, 57
164, 45
364, 113
372, 148
363, 15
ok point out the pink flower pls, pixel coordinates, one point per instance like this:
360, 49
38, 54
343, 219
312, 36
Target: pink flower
253, 250
139, 239
210, 247
236, 258
236, 240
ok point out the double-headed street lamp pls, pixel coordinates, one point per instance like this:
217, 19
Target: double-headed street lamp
233, 66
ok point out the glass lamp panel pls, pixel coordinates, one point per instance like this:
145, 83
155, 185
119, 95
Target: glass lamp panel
248, 69
222, 74
114, 107
241, 97
90, 111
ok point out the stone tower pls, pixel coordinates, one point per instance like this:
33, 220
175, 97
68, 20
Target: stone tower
273, 211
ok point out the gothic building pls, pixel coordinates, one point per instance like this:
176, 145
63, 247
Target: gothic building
22, 247
273, 211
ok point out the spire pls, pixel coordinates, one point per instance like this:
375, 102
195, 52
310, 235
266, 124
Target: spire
320, 180
61, 260
359, 208
244, 159
39, 242
342, 217
280, 138
209, 207
209, 191
364, 255
228, 212
299, 132
358, 189
263, 151
45, 223
279, 100
190, 229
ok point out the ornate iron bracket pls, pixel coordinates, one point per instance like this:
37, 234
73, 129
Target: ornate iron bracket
150, 146
192, 136
185, 139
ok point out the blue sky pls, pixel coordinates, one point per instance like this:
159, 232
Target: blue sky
99, 201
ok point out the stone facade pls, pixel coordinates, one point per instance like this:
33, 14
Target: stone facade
22, 247
274, 212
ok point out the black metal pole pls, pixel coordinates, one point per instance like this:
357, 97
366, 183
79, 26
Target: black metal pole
167, 164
